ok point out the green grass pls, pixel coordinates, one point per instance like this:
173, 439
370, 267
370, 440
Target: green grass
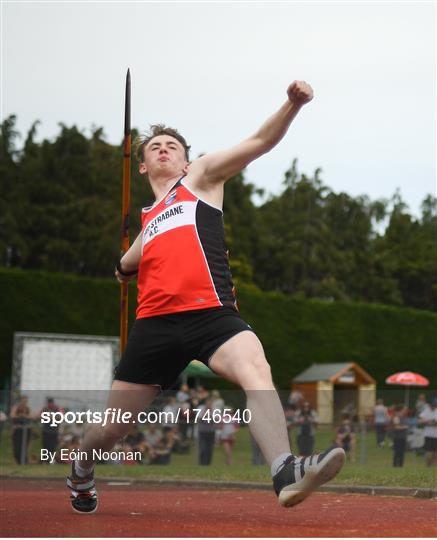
377, 469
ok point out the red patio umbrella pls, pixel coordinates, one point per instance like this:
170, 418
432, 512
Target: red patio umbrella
407, 379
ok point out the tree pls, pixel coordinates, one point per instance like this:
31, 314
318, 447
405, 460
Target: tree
241, 226
294, 250
408, 252
60, 211
10, 240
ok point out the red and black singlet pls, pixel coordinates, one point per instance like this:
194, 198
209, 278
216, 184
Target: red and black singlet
184, 262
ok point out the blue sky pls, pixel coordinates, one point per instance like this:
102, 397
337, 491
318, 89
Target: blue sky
217, 70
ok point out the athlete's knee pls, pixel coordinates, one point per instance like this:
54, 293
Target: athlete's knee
261, 368
256, 361
256, 370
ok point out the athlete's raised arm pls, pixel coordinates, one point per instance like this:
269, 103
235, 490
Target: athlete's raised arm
222, 165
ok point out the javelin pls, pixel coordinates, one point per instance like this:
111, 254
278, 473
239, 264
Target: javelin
125, 209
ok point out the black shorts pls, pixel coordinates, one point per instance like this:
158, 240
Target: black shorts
160, 348
430, 444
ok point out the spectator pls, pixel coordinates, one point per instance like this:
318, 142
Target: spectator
350, 410
194, 400
306, 419
345, 437
160, 453
69, 431
218, 402
21, 430
183, 394
206, 433
399, 429
415, 438
50, 433
295, 399
421, 404
3, 419
135, 441
202, 394
194, 404
428, 418
70, 444
152, 436
290, 419
184, 417
380, 420
227, 437
171, 411
257, 456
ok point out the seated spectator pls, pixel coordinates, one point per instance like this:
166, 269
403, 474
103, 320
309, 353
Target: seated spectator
180, 446
345, 437
152, 437
160, 453
135, 441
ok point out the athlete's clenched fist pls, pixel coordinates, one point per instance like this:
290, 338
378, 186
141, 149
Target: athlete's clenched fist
300, 92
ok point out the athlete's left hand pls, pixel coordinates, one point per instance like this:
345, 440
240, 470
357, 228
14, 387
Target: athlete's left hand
122, 278
300, 92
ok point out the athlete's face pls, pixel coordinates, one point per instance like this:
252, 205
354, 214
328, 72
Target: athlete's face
164, 154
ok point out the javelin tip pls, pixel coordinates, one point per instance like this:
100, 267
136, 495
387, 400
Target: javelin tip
127, 126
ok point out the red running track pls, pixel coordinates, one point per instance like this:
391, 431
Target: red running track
32, 508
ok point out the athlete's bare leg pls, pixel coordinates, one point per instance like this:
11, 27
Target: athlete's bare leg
128, 397
241, 360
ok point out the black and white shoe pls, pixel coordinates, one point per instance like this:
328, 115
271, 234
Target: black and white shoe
299, 477
83, 494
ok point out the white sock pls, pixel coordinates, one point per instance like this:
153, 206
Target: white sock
278, 463
82, 472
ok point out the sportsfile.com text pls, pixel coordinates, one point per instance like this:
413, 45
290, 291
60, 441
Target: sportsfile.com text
114, 416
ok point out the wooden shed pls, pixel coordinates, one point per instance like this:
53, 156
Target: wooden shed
336, 389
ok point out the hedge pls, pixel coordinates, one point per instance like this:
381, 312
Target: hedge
295, 332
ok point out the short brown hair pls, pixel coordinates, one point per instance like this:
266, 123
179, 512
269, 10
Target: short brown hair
158, 129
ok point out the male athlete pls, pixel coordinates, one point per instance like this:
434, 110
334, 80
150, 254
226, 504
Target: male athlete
187, 310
